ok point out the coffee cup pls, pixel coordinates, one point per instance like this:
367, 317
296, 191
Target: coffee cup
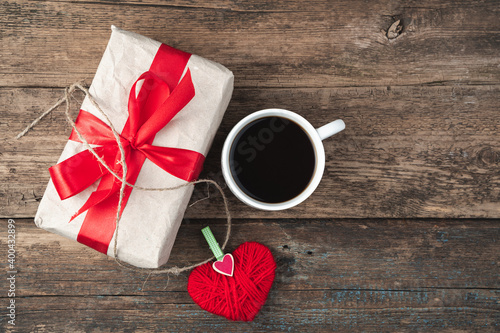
274, 159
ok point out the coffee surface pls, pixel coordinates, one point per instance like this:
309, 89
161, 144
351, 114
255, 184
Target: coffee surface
272, 159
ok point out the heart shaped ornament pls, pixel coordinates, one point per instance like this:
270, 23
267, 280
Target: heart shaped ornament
225, 266
237, 297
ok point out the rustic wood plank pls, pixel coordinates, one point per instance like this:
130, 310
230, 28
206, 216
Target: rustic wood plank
280, 6
291, 311
347, 275
324, 44
407, 151
310, 254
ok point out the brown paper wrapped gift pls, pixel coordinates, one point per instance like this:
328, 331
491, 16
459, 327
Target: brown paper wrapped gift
137, 73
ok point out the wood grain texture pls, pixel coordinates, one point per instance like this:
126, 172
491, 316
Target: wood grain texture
403, 233
407, 151
343, 275
280, 44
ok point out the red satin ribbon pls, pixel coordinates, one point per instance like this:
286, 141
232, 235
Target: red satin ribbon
160, 98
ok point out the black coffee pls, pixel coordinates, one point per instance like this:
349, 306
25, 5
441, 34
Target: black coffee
272, 159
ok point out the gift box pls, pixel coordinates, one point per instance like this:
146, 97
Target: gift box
166, 105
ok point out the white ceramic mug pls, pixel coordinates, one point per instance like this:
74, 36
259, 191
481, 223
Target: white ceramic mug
315, 135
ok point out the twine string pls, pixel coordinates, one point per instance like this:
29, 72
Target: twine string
68, 92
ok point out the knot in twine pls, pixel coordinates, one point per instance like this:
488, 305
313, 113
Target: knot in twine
68, 91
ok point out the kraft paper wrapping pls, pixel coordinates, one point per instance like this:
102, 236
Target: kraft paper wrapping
150, 220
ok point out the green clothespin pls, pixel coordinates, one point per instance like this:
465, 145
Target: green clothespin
225, 262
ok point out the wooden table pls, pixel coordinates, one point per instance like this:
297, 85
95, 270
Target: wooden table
403, 232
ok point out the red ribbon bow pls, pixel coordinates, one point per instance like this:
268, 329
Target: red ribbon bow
149, 111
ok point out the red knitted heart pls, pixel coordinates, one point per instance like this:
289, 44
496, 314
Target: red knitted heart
241, 296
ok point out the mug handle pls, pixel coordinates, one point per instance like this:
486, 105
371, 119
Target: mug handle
330, 129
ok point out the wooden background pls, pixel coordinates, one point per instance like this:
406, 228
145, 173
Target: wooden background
402, 234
